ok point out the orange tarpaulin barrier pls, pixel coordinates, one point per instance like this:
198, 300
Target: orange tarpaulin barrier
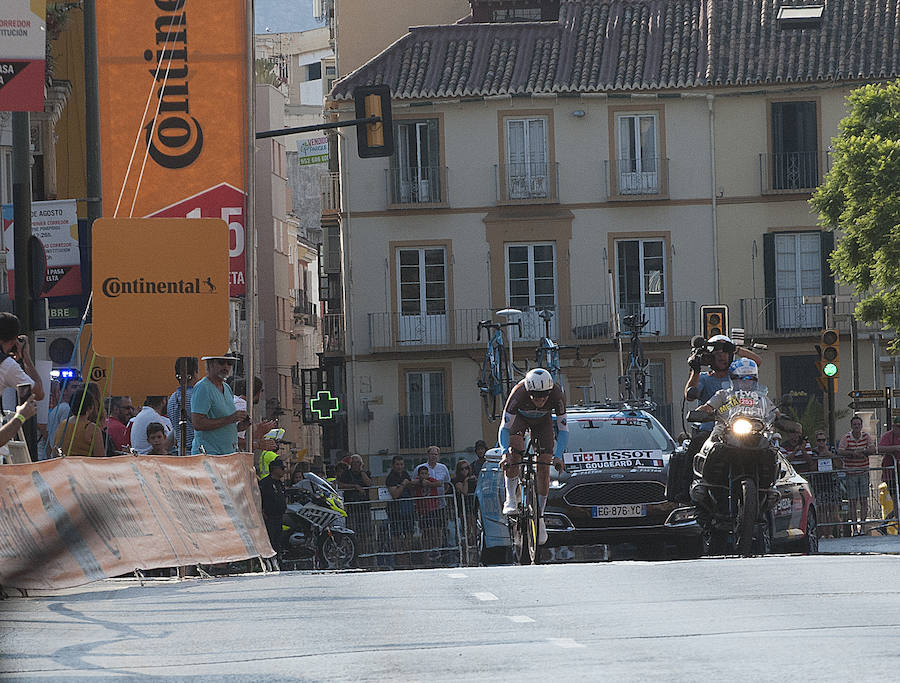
69, 521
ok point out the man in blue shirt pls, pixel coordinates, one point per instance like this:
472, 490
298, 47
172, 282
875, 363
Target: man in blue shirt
216, 421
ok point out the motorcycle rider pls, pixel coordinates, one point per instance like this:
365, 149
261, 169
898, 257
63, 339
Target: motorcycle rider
529, 406
701, 386
744, 376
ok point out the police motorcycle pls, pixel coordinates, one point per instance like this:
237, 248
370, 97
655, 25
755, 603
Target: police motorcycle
314, 526
735, 471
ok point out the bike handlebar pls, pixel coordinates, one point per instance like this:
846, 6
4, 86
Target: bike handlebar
490, 325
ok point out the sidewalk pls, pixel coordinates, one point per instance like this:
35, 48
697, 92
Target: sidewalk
860, 544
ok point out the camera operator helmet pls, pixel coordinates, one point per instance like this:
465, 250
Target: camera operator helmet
538, 383
720, 342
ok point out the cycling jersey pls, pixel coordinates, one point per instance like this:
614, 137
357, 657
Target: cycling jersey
521, 413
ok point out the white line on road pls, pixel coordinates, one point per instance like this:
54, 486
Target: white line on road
521, 619
457, 575
567, 643
485, 596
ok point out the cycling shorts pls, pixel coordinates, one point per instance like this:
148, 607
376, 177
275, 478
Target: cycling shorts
541, 430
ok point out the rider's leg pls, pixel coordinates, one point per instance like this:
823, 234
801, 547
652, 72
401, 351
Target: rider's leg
510, 465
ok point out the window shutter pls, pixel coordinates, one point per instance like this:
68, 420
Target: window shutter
769, 277
827, 247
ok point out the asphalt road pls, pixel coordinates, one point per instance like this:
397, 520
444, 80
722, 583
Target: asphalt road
779, 617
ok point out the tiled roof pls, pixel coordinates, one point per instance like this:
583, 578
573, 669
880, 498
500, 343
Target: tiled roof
610, 45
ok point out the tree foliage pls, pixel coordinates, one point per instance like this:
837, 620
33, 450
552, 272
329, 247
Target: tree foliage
861, 199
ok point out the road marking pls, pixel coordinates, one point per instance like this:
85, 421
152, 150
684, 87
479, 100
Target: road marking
485, 596
521, 619
566, 643
457, 575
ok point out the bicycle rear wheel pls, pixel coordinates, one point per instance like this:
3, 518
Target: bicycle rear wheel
487, 387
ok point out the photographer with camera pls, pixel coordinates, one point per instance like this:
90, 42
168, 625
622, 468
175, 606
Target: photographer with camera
717, 353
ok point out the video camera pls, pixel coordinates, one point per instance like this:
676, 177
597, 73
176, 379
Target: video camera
703, 352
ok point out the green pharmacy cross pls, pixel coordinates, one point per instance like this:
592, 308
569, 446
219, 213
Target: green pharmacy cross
324, 405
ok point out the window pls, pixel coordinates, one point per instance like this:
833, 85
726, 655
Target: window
795, 267
426, 421
422, 287
314, 71
638, 157
641, 278
526, 158
795, 144
416, 163
531, 285
798, 374
516, 14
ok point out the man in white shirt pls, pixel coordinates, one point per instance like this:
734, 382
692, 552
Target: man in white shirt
151, 412
15, 349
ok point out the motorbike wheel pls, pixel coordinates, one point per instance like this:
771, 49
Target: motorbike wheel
810, 543
762, 541
745, 518
336, 551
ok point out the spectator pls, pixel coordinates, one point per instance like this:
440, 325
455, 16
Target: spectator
464, 483
354, 482
59, 415
438, 470
186, 367
80, 434
480, 450
299, 470
14, 347
855, 448
213, 414
798, 451
120, 412
271, 489
11, 427
400, 509
151, 412
158, 439
425, 489
826, 485
889, 445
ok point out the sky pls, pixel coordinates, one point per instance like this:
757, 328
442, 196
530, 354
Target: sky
283, 16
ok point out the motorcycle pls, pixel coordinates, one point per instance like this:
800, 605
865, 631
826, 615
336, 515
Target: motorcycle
314, 526
735, 471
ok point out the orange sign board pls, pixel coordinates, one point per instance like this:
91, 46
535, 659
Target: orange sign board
76, 520
173, 116
160, 287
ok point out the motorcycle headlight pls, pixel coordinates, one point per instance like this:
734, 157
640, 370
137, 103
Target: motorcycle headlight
742, 427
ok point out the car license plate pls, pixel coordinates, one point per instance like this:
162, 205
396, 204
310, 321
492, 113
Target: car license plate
619, 511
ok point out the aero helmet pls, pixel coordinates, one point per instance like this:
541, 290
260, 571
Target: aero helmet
538, 381
743, 368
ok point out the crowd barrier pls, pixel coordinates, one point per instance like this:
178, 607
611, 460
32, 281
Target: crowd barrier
428, 531
853, 502
69, 521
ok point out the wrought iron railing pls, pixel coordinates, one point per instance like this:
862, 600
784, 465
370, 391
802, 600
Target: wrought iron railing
645, 176
789, 316
421, 431
416, 185
527, 182
333, 332
792, 171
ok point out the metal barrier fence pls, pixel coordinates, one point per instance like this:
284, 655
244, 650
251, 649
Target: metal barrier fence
852, 502
426, 531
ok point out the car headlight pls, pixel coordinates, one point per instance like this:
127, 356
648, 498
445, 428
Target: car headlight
742, 427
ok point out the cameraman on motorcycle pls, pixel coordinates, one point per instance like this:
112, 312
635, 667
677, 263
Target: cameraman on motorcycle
718, 352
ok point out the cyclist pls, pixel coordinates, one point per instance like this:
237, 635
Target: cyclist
529, 406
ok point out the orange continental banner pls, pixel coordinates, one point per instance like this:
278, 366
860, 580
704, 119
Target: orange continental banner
173, 114
69, 521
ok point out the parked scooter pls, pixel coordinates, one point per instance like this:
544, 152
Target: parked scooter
314, 526
735, 470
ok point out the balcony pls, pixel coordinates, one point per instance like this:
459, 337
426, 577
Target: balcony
645, 178
330, 190
527, 183
579, 324
792, 172
333, 333
789, 317
416, 186
420, 431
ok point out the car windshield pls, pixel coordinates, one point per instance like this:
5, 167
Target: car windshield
616, 431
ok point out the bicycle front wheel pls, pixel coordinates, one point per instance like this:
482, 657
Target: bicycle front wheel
533, 519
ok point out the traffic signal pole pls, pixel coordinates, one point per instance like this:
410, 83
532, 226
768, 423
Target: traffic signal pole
831, 419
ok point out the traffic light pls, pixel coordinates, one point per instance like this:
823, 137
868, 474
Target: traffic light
715, 320
374, 139
831, 356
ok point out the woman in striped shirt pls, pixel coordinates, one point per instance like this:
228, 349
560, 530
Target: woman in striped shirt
855, 448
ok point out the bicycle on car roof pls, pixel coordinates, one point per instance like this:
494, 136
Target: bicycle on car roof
495, 381
633, 383
547, 351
